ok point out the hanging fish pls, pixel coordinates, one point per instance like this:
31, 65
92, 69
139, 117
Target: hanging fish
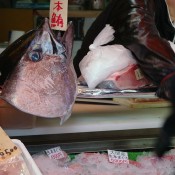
37, 74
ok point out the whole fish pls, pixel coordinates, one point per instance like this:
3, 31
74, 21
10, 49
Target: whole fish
37, 74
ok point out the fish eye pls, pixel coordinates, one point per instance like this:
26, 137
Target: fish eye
34, 56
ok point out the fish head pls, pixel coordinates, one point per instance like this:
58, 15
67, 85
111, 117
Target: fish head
43, 83
45, 43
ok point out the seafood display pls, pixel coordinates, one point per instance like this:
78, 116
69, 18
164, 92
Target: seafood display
98, 163
37, 74
15, 158
130, 77
110, 66
14, 166
143, 27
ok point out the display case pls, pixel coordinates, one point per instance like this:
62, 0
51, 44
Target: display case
91, 127
94, 127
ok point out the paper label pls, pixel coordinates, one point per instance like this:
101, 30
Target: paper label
55, 153
118, 157
58, 14
138, 74
7, 148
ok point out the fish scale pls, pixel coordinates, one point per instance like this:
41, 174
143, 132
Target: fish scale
42, 82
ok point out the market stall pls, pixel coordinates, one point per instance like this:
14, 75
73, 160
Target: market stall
104, 119
94, 127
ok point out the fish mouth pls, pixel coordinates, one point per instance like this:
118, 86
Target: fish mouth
46, 42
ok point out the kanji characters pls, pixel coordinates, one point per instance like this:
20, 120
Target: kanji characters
56, 20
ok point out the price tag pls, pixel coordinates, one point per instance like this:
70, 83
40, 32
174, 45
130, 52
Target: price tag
139, 75
7, 148
118, 157
58, 14
55, 153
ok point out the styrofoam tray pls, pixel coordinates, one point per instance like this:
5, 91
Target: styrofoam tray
32, 167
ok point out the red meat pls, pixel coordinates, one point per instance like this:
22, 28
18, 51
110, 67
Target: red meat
129, 78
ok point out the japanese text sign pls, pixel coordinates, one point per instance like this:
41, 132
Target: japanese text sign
55, 153
118, 157
58, 14
7, 148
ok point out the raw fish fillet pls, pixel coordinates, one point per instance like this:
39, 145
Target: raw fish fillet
103, 61
130, 77
42, 80
14, 166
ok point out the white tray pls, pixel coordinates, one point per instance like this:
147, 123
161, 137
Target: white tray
32, 167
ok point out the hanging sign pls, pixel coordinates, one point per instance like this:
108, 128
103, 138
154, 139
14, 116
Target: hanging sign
58, 14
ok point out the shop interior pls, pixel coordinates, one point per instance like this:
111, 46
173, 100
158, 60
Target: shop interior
95, 124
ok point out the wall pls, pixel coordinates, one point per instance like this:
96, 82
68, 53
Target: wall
14, 19
23, 19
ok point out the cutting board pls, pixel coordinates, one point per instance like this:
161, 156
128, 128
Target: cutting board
142, 102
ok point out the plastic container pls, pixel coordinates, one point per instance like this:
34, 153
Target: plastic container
12, 118
32, 167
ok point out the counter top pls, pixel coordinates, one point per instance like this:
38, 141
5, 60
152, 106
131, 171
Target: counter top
97, 117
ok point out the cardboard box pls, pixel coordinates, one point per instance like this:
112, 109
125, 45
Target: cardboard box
12, 118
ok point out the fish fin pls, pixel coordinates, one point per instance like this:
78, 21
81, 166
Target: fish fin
13, 53
17, 43
67, 39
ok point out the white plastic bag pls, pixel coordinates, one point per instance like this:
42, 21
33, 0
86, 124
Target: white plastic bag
172, 45
102, 61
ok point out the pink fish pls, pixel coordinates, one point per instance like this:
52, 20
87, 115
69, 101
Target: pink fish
42, 80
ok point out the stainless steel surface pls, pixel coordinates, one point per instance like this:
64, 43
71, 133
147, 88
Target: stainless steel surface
95, 141
96, 146
96, 128
141, 144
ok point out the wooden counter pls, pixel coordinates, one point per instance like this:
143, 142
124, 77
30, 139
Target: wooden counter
95, 127
95, 118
